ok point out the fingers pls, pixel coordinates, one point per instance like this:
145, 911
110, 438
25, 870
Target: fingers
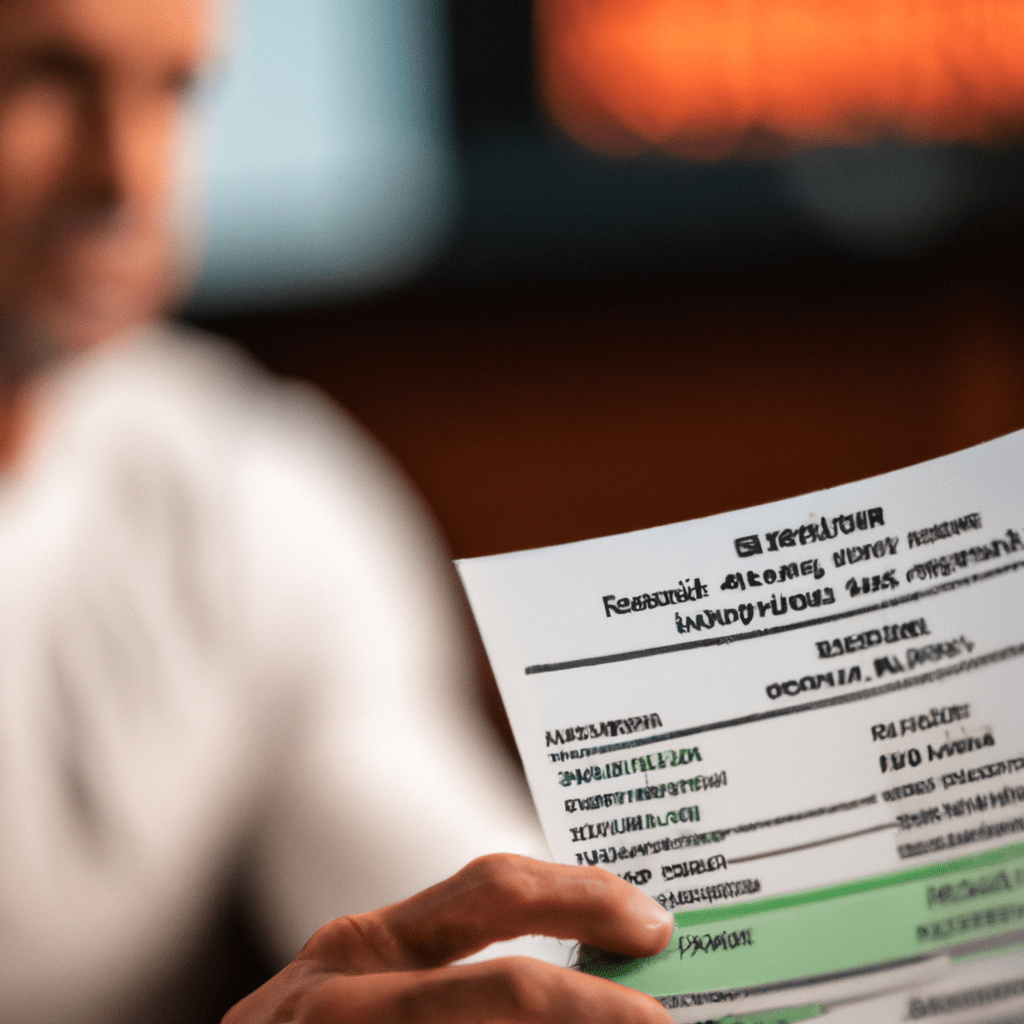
513, 990
370, 967
502, 896
494, 898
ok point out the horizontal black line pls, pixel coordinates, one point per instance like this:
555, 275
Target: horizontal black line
753, 634
816, 842
817, 812
788, 819
906, 683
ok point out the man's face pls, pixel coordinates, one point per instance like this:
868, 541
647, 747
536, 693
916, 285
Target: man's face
90, 96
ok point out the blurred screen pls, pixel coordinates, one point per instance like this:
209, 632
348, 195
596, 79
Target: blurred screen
328, 159
357, 147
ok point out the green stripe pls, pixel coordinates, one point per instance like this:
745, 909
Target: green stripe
885, 920
1013, 851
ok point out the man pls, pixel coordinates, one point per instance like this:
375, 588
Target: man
228, 632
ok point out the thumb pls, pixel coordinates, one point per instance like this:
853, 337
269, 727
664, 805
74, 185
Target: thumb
495, 898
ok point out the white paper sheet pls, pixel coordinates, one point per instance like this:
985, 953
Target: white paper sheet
799, 726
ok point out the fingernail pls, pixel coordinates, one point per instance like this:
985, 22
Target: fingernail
654, 915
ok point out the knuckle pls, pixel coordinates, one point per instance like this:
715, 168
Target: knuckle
525, 986
331, 938
504, 874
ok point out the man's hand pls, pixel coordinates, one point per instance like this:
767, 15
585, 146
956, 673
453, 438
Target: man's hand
392, 966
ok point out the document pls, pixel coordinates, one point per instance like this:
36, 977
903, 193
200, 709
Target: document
799, 727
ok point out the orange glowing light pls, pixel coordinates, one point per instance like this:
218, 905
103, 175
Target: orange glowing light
700, 77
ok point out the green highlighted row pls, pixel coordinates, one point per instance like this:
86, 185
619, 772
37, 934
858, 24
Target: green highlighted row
889, 918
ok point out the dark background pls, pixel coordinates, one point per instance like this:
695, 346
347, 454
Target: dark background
605, 345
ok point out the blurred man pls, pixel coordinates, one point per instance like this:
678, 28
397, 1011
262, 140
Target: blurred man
229, 632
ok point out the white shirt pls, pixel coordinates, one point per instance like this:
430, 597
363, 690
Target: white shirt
227, 626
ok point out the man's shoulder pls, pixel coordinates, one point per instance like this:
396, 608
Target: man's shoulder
170, 365
175, 388
187, 405
214, 383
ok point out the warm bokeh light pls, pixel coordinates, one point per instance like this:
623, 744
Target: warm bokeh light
703, 77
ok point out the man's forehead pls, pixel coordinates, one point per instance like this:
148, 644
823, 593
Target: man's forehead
110, 31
